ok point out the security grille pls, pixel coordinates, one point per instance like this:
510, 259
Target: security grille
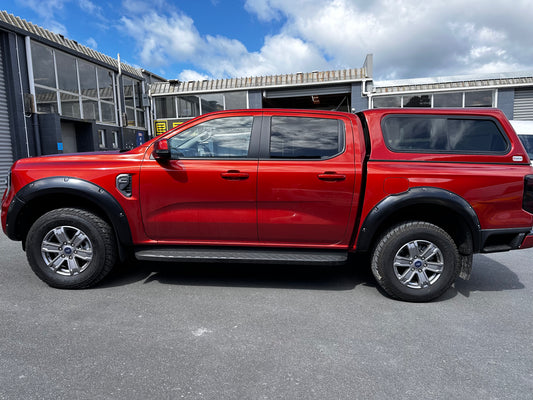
523, 104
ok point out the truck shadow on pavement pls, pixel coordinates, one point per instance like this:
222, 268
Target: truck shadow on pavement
311, 277
487, 275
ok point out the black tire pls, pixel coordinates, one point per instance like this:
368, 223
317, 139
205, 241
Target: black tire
415, 261
70, 248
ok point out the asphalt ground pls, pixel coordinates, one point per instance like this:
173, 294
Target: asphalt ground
222, 331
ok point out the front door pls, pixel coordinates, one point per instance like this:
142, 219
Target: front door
207, 191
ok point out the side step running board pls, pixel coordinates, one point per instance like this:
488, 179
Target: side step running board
241, 255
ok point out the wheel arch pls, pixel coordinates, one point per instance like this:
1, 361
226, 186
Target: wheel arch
438, 206
46, 194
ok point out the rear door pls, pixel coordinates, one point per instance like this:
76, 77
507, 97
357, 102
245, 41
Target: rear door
306, 180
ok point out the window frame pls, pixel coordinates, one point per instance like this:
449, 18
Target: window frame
446, 117
253, 145
266, 139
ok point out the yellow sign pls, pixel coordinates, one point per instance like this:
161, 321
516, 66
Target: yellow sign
174, 124
160, 127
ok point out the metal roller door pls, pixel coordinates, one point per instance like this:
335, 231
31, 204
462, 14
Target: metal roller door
6, 151
523, 104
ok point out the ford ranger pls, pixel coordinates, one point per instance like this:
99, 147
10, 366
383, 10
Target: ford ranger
418, 190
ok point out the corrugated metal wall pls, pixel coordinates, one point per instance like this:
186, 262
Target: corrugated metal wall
6, 151
523, 104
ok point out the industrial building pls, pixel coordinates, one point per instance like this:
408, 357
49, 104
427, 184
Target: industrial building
57, 96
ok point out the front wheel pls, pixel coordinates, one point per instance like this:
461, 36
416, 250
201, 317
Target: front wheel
415, 261
70, 248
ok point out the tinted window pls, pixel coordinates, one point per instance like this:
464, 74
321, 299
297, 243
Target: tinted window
527, 141
298, 137
223, 137
443, 134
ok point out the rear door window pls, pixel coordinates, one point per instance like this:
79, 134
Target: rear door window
303, 137
436, 134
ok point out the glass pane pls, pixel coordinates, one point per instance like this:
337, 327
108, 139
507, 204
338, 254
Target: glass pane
165, 107
46, 100
88, 79
236, 100
115, 139
295, 137
128, 92
130, 112
70, 105
105, 83
138, 94
223, 137
43, 65
443, 134
476, 135
527, 141
188, 106
386, 102
140, 118
108, 112
448, 100
212, 102
101, 138
417, 101
66, 72
90, 109
478, 99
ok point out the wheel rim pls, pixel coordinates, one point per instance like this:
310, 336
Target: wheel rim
418, 264
67, 250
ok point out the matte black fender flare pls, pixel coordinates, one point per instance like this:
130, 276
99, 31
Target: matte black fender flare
413, 197
64, 185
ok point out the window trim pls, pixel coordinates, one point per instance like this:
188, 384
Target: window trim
447, 117
253, 146
264, 154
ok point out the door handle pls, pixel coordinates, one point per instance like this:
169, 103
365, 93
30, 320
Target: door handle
234, 175
331, 176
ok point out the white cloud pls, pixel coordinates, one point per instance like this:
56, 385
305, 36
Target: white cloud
91, 42
408, 38
190, 75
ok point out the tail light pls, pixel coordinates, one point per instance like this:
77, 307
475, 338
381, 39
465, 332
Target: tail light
527, 202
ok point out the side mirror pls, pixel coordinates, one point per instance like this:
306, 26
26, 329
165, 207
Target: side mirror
161, 150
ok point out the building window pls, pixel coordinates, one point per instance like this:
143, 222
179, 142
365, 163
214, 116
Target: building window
132, 99
101, 138
81, 89
43, 65
476, 98
46, 100
447, 100
190, 106
479, 98
417, 101
165, 107
387, 101
115, 139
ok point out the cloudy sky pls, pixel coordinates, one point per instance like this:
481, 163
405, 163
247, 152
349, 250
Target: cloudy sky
211, 39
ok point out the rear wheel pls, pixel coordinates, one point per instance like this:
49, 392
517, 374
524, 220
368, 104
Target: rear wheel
71, 248
415, 261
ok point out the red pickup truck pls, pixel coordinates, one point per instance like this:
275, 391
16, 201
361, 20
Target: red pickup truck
420, 190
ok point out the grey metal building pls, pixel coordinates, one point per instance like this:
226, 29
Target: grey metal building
510, 92
59, 96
